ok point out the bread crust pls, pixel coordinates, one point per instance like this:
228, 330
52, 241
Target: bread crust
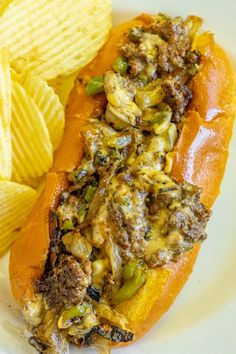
200, 158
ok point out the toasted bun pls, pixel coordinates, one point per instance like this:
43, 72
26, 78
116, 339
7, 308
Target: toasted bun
200, 158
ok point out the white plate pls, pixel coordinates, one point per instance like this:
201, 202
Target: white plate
202, 320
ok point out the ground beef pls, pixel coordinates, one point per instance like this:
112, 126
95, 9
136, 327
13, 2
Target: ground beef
159, 258
67, 284
191, 218
173, 52
108, 286
178, 96
193, 57
186, 224
169, 29
131, 52
129, 223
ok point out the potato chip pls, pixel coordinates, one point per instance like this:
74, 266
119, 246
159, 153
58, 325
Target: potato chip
33, 182
5, 116
48, 103
3, 5
31, 146
63, 85
52, 38
16, 202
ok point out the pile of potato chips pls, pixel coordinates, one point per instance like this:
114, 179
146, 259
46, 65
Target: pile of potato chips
41, 42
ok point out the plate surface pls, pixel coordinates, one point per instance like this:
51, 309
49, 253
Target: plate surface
202, 320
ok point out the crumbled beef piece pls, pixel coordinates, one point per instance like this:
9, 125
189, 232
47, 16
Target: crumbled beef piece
173, 51
178, 96
186, 224
131, 51
191, 218
160, 203
193, 57
108, 285
128, 215
159, 258
171, 30
67, 285
170, 57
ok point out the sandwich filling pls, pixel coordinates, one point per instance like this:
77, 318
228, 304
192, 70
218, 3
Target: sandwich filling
122, 213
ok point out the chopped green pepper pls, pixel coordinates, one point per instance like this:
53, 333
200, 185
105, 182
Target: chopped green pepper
81, 214
131, 286
129, 269
144, 79
193, 69
90, 191
95, 85
67, 316
161, 121
120, 65
161, 117
68, 225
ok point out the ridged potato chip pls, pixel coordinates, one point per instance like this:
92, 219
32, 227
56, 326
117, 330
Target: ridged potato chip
16, 202
48, 103
31, 145
3, 5
54, 37
5, 116
63, 85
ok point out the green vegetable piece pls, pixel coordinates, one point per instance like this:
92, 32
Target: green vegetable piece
131, 286
161, 121
144, 79
129, 269
68, 225
90, 194
120, 65
161, 117
95, 85
81, 214
193, 69
67, 316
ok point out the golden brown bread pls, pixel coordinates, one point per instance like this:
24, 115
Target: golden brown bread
202, 150
29, 253
200, 158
